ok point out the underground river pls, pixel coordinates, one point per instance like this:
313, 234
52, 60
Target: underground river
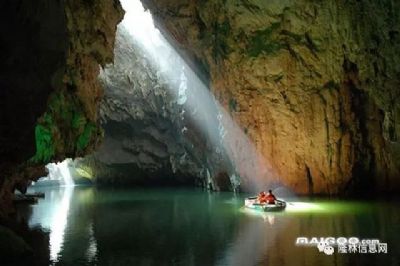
105, 226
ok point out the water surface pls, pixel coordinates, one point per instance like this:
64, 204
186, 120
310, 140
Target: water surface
95, 226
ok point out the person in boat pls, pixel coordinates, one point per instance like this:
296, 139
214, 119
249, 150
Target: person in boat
270, 198
262, 197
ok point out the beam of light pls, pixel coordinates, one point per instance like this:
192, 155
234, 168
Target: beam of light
60, 171
247, 167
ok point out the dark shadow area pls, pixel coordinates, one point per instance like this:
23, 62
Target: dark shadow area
22, 245
33, 44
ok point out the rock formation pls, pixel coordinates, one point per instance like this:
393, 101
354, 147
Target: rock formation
149, 138
143, 124
51, 51
314, 84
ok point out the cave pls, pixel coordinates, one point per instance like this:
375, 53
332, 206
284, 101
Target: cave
143, 132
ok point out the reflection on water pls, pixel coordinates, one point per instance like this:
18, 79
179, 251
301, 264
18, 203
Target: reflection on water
52, 214
92, 248
90, 226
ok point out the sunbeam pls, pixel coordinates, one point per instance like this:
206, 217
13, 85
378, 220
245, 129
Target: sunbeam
247, 167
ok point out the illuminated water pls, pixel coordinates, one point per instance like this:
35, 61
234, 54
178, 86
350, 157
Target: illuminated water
93, 226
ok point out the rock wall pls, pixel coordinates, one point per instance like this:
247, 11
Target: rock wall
314, 84
148, 138
50, 56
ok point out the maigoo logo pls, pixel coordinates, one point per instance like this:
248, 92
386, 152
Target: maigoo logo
344, 245
332, 241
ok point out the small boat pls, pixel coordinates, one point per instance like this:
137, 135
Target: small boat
252, 203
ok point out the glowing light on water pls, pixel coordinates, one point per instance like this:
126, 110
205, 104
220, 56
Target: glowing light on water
267, 216
315, 207
328, 207
60, 171
303, 207
247, 167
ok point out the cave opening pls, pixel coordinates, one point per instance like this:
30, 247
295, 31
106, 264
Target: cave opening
161, 114
162, 124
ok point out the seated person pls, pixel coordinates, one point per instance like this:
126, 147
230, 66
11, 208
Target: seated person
262, 197
270, 198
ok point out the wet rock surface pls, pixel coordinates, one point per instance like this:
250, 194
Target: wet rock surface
315, 85
146, 137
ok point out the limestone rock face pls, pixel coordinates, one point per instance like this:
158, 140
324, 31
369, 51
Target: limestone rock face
314, 84
51, 51
145, 135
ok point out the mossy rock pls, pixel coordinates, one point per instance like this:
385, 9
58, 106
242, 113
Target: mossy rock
63, 129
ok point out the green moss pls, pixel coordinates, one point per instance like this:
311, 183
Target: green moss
262, 41
78, 120
85, 137
63, 129
45, 148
